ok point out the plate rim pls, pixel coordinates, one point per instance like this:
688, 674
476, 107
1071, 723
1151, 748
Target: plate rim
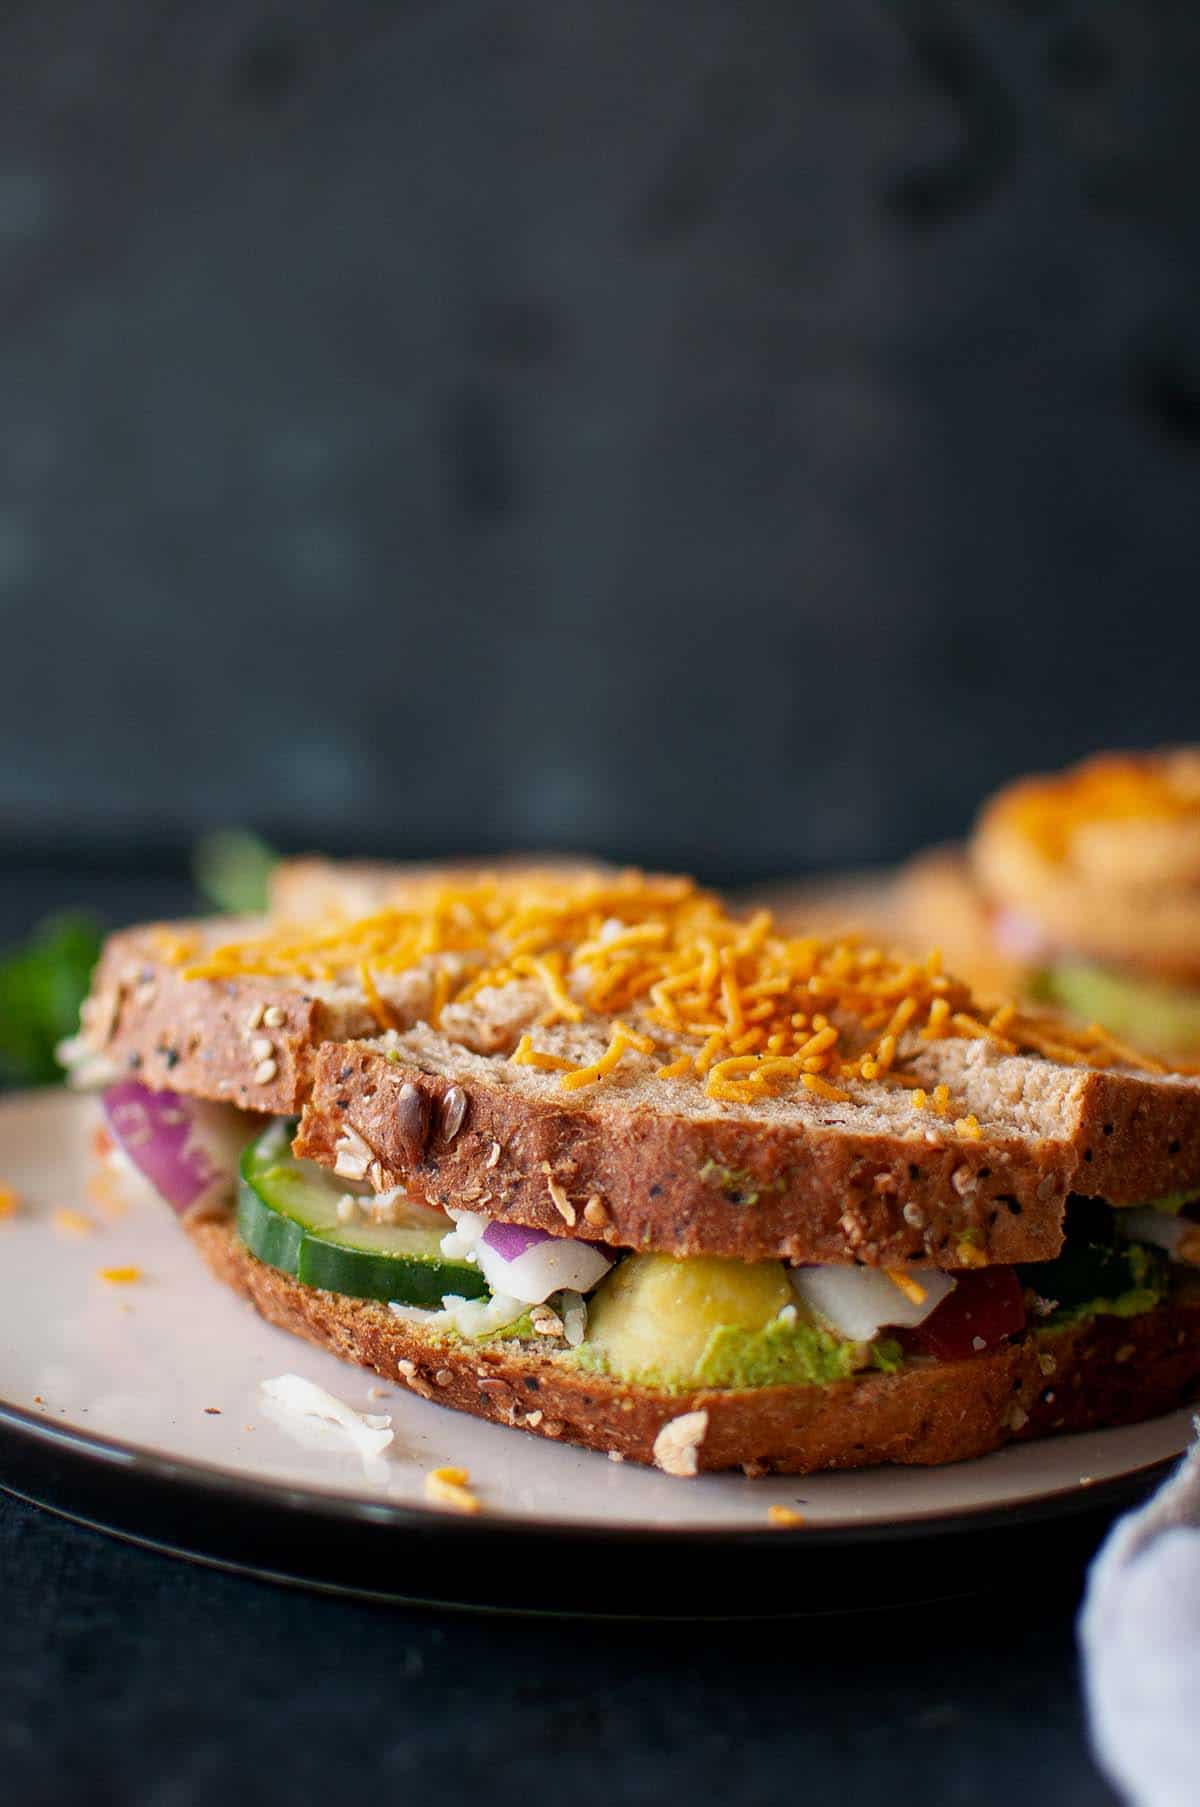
231, 1490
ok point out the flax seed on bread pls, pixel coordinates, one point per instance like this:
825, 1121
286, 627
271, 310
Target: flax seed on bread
1107, 1371
797, 1178
208, 1039
219, 1038
946, 1141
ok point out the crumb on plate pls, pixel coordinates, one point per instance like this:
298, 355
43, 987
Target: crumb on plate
69, 1222
448, 1487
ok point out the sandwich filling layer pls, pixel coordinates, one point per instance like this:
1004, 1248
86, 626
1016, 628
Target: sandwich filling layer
641, 1317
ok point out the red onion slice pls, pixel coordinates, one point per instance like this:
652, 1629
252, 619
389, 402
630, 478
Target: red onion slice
187, 1149
531, 1264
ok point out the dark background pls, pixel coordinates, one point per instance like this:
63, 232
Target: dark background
727, 434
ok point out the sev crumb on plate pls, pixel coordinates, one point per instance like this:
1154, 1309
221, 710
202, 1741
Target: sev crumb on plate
783, 1517
121, 1276
10, 1202
69, 1222
448, 1487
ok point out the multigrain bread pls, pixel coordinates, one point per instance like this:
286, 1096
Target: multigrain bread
650, 1164
246, 1044
247, 1041
934, 899
1104, 1372
856, 1176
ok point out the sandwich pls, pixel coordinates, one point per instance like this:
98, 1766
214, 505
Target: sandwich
588, 1154
1082, 889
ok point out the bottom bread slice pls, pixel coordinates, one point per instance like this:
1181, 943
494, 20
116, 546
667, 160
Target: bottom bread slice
1106, 1371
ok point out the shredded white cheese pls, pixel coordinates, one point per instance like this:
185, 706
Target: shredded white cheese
353, 1155
369, 1433
477, 1317
458, 1244
574, 1317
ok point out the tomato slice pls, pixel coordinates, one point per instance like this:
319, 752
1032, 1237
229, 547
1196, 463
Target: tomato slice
987, 1305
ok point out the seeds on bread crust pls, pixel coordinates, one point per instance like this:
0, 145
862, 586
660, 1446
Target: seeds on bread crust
1110, 1371
454, 1109
412, 1117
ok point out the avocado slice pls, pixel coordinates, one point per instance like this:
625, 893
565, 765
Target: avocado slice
717, 1323
287, 1215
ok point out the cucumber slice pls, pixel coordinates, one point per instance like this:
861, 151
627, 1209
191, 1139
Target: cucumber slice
288, 1216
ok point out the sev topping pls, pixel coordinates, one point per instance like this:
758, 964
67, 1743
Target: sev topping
448, 1487
69, 1222
10, 1202
912, 1289
732, 1002
121, 1276
1114, 788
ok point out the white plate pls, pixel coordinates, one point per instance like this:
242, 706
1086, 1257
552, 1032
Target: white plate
155, 1387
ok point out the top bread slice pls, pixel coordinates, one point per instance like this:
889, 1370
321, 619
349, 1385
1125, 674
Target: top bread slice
860, 1177
251, 1040
644, 1163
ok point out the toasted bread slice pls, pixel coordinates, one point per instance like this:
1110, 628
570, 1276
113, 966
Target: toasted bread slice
1103, 1372
933, 900
249, 1043
644, 1163
250, 1040
866, 1170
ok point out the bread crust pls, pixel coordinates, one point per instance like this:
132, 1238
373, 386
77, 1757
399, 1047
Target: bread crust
716, 1182
1108, 1371
746, 1188
206, 1037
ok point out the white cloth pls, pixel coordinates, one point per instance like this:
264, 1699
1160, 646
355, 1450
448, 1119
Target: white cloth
1139, 1631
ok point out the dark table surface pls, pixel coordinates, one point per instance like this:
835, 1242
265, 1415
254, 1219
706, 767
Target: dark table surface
128, 1677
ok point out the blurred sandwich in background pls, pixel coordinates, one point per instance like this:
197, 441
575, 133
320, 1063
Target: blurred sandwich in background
1079, 888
